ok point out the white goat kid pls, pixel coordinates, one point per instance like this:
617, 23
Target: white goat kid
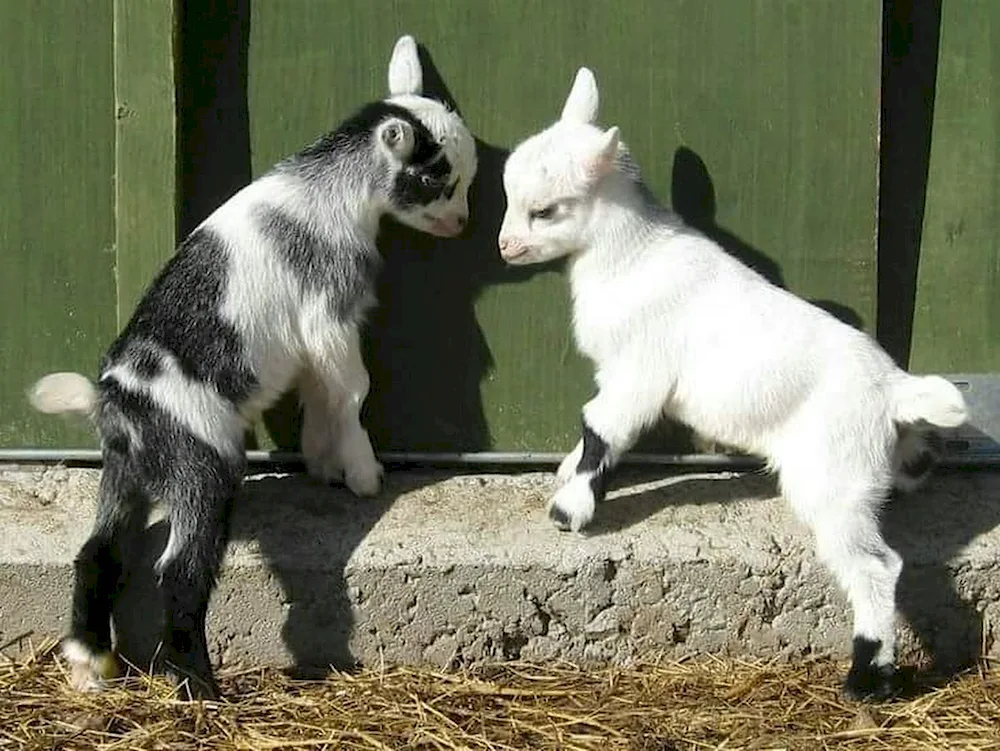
271, 289
676, 326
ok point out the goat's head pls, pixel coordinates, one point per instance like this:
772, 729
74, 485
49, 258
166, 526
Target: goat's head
429, 151
552, 178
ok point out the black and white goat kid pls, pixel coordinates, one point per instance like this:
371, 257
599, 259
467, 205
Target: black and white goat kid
269, 292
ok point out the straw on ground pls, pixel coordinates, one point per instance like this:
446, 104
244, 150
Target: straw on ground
700, 703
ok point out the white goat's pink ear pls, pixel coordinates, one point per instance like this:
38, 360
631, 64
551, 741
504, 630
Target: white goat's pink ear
603, 160
405, 74
581, 104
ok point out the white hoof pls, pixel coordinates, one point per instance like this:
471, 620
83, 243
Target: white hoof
88, 671
572, 507
365, 482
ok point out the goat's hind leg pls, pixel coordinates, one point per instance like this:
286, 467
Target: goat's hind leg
850, 544
200, 492
99, 571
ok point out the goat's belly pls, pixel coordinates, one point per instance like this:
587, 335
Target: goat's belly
733, 413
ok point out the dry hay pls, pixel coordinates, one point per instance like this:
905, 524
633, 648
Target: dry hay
703, 703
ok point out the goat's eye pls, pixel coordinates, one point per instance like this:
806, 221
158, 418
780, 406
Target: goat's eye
544, 213
427, 181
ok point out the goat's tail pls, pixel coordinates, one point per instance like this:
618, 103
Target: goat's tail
930, 399
59, 393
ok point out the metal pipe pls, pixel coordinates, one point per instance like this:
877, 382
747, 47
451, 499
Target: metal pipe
472, 459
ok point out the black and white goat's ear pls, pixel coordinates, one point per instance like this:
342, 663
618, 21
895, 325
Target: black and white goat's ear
581, 104
602, 159
395, 137
405, 73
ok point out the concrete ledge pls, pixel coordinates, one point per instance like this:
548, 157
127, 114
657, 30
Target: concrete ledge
456, 569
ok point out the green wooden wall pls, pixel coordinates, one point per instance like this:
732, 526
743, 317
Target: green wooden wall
57, 229
956, 323
757, 120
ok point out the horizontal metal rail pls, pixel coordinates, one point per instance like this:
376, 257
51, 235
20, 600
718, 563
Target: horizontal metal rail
483, 459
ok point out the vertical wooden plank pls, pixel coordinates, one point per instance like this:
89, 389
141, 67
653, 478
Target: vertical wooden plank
145, 144
957, 318
758, 119
57, 293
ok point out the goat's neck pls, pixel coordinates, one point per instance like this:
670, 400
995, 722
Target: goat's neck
625, 223
344, 196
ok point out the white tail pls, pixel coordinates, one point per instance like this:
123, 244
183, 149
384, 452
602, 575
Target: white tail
929, 398
58, 393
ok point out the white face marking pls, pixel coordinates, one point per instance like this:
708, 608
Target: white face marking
549, 194
446, 216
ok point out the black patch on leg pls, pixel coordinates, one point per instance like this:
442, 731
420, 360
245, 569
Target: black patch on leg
867, 681
99, 567
595, 459
920, 466
199, 487
96, 576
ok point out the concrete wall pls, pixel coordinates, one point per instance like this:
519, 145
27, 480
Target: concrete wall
447, 570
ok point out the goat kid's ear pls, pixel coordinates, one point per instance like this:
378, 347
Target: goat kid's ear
405, 74
396, 137
603, 160
581, 104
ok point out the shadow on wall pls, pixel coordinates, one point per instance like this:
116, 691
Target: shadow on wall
910, 35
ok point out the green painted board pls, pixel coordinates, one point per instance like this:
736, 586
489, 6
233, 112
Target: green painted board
145, 145
776, 104
57, 292
956, 326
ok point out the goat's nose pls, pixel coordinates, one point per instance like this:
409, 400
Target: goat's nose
461, 221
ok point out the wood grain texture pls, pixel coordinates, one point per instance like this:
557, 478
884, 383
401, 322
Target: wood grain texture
57, 292
757, 119
957, 317
145, 144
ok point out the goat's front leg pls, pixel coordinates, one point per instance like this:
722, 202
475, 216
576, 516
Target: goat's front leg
320, 432
333, 439
612, 421
567, 467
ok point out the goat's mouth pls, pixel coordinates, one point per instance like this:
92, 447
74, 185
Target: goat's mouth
443, 228
520, 254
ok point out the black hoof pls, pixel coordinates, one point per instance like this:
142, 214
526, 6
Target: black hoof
873, 683
191, 687
559, 518
192, 684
